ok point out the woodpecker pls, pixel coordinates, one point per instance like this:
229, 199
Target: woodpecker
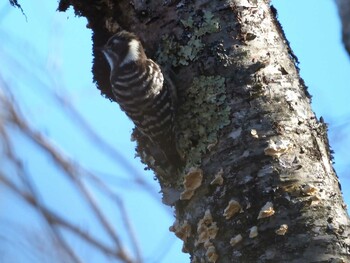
139, 88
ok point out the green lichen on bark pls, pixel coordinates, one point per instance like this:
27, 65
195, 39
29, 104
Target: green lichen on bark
186, 50
202, 116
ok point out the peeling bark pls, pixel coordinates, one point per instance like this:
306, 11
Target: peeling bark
267, 191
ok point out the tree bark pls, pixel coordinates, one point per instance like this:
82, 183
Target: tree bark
344, 12
258, 185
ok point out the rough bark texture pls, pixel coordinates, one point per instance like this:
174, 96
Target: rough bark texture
344, 12
259, 184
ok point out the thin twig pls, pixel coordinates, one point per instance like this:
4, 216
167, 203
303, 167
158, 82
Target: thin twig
126, 221
34, 199
70, 170
110, 151
54, 218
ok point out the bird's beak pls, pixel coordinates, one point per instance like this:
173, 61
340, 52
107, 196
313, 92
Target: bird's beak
109, 55
102, 49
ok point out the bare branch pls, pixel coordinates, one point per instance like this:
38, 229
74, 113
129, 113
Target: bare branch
54, 219
100, 142
72, 171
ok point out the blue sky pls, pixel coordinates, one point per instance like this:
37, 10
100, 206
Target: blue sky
52, 52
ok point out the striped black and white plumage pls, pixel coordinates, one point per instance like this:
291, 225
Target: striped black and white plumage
138, 87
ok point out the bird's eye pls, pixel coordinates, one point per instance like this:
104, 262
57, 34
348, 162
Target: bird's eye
115, 41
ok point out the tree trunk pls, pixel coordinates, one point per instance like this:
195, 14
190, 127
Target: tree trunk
258, 185
344, 12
